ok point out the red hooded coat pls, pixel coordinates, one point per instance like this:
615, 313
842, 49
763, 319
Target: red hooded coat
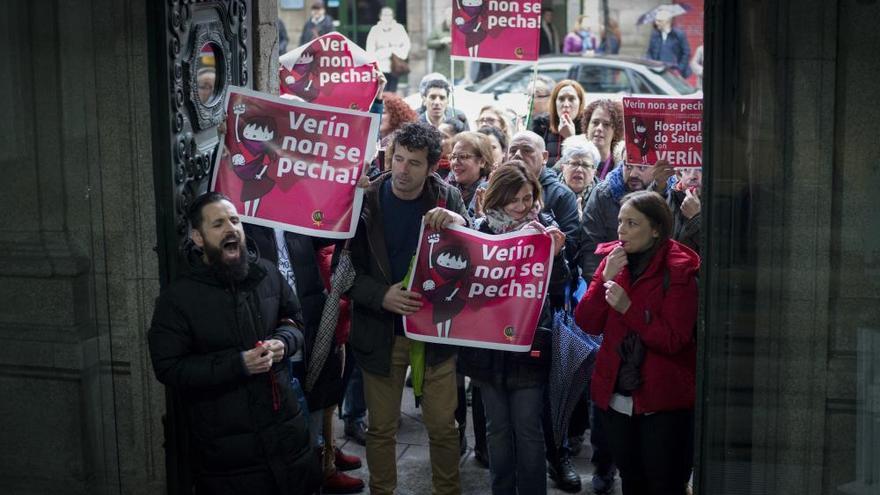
664, 319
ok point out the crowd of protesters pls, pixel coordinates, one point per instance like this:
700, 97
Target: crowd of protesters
234, 336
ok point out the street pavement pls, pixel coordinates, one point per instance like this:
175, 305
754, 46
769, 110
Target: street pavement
414, 467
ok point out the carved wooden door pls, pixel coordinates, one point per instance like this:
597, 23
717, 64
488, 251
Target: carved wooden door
197, 50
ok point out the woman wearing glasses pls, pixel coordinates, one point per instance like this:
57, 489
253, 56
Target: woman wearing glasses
470, 163
577, 166
492, 116
563, 119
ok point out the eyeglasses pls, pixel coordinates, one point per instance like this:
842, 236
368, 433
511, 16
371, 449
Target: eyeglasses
461, 156
583, 165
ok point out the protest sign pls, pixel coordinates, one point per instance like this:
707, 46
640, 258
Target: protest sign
496, 30
479, 290
330, 70
663, 129
292, 165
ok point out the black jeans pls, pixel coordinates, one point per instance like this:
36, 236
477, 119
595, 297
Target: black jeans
654, 452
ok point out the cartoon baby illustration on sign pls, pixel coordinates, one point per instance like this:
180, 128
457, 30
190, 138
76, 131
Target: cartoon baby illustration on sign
450, 269
641, 137
252, 162
302, 79
473, 27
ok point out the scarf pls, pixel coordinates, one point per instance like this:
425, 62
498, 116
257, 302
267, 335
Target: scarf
501, 223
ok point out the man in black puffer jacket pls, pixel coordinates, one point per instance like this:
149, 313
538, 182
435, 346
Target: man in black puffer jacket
220, 338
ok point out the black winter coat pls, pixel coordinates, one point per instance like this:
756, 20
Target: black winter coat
515, 370
561, 204
239, 432
301, 249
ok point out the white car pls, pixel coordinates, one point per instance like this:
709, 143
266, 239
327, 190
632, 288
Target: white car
601, 76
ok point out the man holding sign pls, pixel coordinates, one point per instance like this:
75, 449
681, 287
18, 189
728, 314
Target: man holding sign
381, 251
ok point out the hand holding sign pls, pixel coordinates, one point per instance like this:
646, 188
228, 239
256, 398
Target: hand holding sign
401, 301
558, 239
661, 174
440, 218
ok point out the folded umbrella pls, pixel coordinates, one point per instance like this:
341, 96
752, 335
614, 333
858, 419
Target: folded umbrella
574, 353
343, 279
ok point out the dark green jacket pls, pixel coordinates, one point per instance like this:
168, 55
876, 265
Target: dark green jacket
372, 328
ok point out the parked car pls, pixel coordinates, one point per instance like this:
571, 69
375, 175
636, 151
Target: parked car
602, 76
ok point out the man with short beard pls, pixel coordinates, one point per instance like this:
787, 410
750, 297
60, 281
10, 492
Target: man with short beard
395, 204
220, 338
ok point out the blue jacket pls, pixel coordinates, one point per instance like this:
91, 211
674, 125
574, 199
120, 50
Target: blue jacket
675, 51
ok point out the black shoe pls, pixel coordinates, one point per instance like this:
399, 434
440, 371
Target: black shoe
603, 480
357, 431
563, 473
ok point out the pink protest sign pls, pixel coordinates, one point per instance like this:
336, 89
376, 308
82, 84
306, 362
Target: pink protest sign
479, 290
663, 129
330, 70
496, 30
293, 165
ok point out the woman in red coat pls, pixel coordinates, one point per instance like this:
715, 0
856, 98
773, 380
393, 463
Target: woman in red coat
643, 298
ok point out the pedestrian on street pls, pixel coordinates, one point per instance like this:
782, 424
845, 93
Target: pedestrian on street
669, 45
549, 42
643, 299
318, 24
386, 40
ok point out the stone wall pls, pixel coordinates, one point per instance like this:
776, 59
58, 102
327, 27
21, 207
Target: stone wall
81, 412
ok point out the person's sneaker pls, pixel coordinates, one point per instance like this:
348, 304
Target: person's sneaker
563, 473
345, 462
357, 431
603, 483
340, 482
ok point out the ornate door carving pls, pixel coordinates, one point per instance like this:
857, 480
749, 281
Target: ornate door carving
197, 50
